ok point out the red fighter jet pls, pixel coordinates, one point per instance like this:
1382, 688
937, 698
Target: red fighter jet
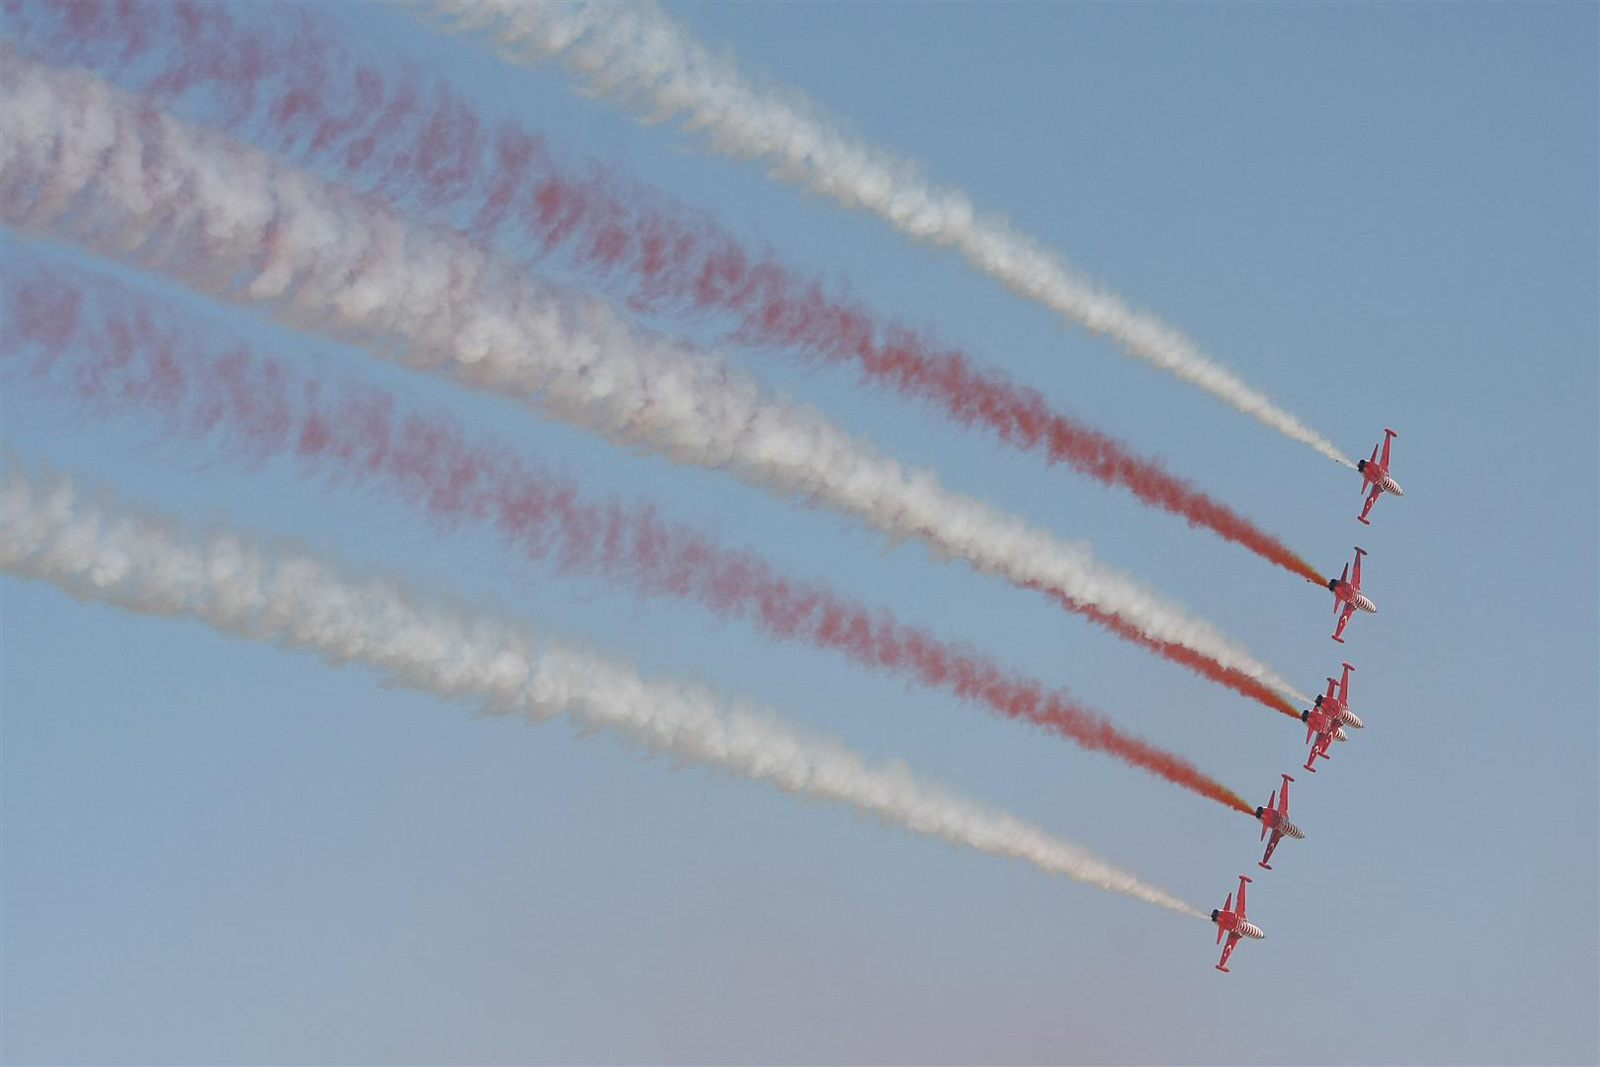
1232, 923
1326, 731
1339, 705
1275, 819
1327, 717
1375, 473
1348, 597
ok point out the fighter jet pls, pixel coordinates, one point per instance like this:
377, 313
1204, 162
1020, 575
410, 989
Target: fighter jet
1325, 729
1348, 597
1233, 924
1375, 473
1327, 717
1275, 819
1339, 706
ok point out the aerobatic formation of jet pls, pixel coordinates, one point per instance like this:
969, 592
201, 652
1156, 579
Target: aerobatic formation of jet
1348, 597
1375, 473
1274, 820
1232, 924
1328, 715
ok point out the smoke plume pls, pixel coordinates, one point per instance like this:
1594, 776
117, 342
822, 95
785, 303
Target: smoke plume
105, 553
115, 353
83, 161
411, 139
636, 56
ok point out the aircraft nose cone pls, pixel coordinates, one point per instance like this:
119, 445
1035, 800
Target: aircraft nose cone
1351, 719
1394, 487
1366, 605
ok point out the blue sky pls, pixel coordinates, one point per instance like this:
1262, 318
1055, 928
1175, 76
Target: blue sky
1383, 215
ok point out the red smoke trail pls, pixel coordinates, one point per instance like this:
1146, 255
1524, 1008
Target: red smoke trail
117, 352
301, 95
363, 288
1236, 680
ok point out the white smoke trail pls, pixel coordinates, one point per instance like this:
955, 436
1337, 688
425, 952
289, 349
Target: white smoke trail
635, 55
79, 159
99, 551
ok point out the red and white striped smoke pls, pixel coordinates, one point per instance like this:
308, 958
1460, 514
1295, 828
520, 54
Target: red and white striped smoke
414, 140
82, 161
103, 552
113, 354
638, 57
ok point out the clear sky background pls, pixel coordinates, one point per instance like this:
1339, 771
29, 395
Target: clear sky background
1382, 214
